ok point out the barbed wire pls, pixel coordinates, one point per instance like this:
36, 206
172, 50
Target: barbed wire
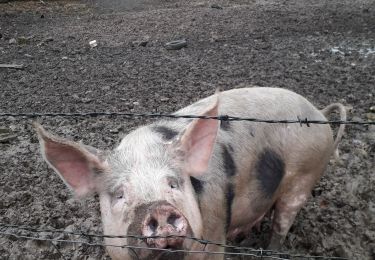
258, 253
31, 229
301, 121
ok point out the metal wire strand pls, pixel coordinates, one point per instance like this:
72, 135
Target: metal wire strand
301, 121
135, 247
201, 241
248, 251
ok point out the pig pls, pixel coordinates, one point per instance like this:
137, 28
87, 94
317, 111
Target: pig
203, 178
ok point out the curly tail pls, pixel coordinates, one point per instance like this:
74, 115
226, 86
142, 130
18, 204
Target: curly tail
326, 111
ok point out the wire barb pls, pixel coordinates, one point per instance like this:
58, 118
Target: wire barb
304, 121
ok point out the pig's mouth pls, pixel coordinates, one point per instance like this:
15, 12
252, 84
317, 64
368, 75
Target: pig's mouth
169, 247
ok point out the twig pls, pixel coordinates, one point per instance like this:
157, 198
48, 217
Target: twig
12, 66
7, 138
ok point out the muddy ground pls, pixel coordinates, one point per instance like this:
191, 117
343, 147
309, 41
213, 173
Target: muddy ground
324, 50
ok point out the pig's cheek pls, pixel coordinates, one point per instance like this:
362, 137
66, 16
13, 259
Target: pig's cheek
176, 196
168, 194
118, 206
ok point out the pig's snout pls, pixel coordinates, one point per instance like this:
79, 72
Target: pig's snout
165, 220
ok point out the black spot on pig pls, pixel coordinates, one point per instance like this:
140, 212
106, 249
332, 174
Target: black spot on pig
229, 196
270, 170
228, 162
166, 132
197, 185
225, 125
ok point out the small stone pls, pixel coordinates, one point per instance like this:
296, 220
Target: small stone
136, 103
361, 152
48, 39
350, 96
116, 130
370, 235
357, 142
318, 250
216, 6
12, 41
23, 40
370, 116
93, 43
86, 100
215, 38
69, 228
372, 109
164, 99
143, 43
176, 45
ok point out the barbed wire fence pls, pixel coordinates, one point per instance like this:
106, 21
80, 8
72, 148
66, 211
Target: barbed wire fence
32, 233
298, 120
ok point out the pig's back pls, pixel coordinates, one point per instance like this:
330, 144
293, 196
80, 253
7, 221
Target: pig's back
257, 102
248, 139
268, 104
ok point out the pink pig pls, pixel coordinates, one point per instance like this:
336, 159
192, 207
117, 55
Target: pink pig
202, 178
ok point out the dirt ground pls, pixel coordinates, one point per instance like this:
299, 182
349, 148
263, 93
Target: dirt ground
322, 49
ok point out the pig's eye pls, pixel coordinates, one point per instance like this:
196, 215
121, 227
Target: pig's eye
173, 183
118, 194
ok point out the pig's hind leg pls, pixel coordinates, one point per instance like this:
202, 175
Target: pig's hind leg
287, 206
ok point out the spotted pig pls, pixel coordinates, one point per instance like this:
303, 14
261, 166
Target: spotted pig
202, 178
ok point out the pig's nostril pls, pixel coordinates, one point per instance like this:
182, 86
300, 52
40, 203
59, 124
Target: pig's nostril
172, 219
153, 224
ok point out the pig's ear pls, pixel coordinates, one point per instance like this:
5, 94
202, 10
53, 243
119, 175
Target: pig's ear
198, 141
76, 165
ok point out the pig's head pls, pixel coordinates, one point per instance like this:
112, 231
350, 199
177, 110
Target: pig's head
144, 185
